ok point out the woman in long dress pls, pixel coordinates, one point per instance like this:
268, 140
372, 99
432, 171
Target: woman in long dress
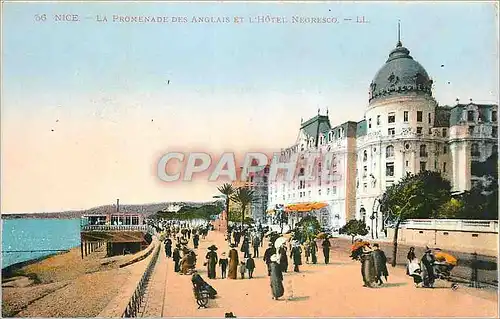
276, 278
211, 261
233, 263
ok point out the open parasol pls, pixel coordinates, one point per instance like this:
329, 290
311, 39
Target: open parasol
322, 235
440, 256
213, 247
279, 242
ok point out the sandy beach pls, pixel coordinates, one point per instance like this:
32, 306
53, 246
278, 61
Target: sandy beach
72, 286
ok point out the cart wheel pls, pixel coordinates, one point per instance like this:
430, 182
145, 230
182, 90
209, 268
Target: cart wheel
202, 301
454, 286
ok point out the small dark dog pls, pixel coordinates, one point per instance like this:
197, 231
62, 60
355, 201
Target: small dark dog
229, 315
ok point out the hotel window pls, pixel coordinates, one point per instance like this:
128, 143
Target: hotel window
419, 116
435, 164
369, 123
444, 167
494, 131
328, 191
430, 118
471, 130
407, 163
474, 150
493, 116
422, 166
445, 131
445, 149
470, 116
430, 131
365, 186
389, 169
334, 190
389, 151
365, 156
135, 220
378, 119
330, 136
391, 131
391, 118
365, 171
405, 116
309, 193
423, 150
319, 192
419, 130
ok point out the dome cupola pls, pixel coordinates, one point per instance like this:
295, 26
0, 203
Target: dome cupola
400, 75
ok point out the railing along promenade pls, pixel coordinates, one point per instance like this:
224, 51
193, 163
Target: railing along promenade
486, 226
134, 305
143, 228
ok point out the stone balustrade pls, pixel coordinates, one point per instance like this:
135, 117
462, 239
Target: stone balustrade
484, 226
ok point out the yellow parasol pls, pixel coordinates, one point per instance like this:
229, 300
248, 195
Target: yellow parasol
322, 235
440, 256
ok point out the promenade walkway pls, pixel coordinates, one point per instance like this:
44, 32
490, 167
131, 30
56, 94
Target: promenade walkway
317, 291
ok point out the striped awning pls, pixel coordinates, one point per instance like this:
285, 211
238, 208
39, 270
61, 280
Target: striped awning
305, 207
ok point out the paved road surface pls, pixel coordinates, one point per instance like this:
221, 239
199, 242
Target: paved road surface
317, 291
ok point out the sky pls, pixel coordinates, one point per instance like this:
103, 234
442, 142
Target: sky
89, 107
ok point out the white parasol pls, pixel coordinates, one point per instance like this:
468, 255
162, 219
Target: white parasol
279, 242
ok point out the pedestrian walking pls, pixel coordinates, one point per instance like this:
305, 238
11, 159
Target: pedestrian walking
380, 263
168, 247
256, 243
326, 249
271, 250
233, 263
313, 249
410, 256
245, 247
223, 262
211, 262
295, 254
276, 277
250, 265
283, 259
177, 258
243, 269
196, 240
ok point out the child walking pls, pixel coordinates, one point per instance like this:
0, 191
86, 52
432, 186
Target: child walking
243, 268
223, 264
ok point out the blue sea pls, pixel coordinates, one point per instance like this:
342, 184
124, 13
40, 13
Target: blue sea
36, 234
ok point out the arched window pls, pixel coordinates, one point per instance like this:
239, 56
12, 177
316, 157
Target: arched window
365, 156
423, 150
389, 151
474, 150
330, 136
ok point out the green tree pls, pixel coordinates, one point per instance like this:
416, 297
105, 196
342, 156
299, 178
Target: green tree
227, 190
414, 196
307, 228
354, 228
481, 202
244, 196
454, 208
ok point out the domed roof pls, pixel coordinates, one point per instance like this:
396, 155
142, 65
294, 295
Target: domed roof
399, 75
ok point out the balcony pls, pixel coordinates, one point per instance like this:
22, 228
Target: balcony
117, 228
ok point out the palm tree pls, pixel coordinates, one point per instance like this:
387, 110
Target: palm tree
244, 196
227, 190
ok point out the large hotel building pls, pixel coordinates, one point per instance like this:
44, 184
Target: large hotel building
403, 130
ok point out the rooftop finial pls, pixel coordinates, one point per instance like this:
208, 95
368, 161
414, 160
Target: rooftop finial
399, 34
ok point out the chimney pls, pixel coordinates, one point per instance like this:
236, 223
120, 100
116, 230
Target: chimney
118, 205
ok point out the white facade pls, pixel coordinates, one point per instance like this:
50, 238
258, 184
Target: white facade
403, 131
